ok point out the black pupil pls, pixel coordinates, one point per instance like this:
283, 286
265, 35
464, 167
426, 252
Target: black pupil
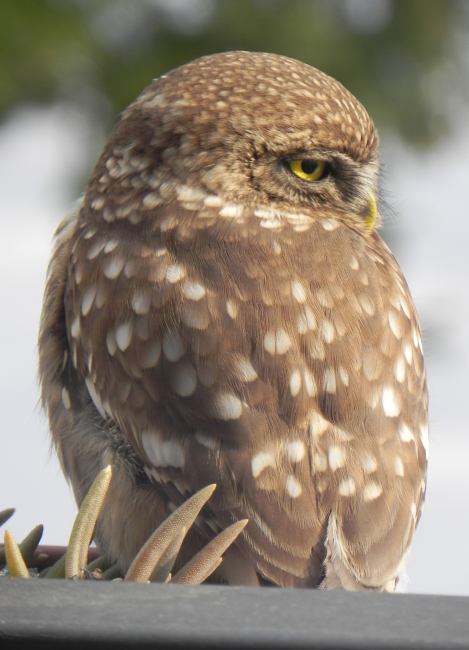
309, 166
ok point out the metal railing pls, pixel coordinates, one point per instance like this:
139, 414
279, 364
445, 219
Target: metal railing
48, 614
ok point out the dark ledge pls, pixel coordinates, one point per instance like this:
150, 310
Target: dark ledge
51, 613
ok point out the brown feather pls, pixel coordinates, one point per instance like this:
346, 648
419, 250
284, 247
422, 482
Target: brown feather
231, 326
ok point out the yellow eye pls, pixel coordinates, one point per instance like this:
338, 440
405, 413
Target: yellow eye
308, 169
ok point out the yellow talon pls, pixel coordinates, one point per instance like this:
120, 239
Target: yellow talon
83, 526
171, 531
204, 563
15, 563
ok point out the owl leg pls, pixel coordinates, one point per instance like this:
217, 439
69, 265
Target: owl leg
237, 570
134, 506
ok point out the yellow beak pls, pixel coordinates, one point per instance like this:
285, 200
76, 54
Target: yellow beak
372, 213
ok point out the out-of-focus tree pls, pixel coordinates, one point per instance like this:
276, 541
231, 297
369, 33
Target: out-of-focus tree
398, 56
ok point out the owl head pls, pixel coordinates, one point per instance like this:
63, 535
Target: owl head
243, 128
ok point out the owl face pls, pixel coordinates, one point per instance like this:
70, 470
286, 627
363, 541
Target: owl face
252, 129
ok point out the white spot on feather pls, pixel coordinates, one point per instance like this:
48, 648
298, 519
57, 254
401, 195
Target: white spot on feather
193, 290
141, 301
327, 331
369, 463
336, 457
277, 342
395, 324
66, 399
424, 438
162, 453
366, 303
372, 491
295, 451
151, 200
298, 291
329, 224
75, 327
188, 194
324, 298
344, 376
399, 370
347, 487
111, 343
317, 424
353, 263
306, 321
173, 346
329, 381
295, 383
231, 309
94, 396
228, 406
405, 433
175, 273
213, 201
231, 211
184, 379
293, 487
398, 466
261, 461
309, 383
113, 267
244, 369
98, 203
111, 245
391, 402
271, 224
123, 335
407, 349
95, 249
207, 441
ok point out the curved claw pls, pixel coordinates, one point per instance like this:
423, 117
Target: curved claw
147, 561
57, 570
162, 571
5, 515
15, 562
85, 521
204, 563
30, 543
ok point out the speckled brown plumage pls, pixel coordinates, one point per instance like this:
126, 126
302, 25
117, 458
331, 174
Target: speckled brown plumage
209, 317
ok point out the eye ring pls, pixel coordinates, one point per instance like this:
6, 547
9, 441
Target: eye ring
308, 169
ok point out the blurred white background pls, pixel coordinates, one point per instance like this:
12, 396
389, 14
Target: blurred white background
44, 150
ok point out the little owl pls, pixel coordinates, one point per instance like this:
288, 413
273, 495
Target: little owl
221, 309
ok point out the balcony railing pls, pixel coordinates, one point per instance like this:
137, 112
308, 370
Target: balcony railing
49, 613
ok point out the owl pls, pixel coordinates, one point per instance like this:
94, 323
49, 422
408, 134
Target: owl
221, 309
